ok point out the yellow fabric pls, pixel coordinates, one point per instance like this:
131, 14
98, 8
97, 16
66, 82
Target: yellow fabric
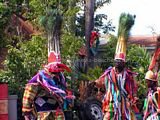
28, 97
31, 92
51, 115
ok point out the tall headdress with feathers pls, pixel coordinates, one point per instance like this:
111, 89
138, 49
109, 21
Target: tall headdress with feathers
126, 21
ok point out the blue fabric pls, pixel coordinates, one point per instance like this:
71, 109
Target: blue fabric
53, 82
48, 79
139, 116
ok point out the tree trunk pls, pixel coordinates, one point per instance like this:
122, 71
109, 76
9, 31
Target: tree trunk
89, 25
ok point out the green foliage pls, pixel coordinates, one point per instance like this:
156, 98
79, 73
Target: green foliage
101, 21
92, 74
14, 6
48, 12
70, 45
101, 25
4, 18
138, 59
23, 62
37, 10
44, 12
69, 18
48, 21
100, 3
4, 14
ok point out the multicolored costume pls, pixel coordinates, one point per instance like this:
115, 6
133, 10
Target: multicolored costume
121, 88
120, 91
152, 105
152, 102
45, 95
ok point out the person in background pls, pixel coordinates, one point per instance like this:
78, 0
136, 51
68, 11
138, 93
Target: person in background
151, 106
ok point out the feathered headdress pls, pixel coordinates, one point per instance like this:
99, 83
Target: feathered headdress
126, 22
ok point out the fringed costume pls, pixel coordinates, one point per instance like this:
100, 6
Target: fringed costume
152, 102
119, 98
121, 88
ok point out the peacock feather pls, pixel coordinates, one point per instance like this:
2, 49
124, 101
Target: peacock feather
126, 21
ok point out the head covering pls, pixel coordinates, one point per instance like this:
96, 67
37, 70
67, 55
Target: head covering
54, 57
120, 56
126, 21
54, 63
150, 75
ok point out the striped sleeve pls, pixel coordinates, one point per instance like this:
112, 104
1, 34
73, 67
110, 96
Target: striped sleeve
28, 97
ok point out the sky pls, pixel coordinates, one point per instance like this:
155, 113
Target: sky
146, 11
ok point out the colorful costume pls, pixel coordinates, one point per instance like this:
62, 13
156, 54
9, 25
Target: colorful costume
121, 88
120, 91
152, 102
45, 95
152, 105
